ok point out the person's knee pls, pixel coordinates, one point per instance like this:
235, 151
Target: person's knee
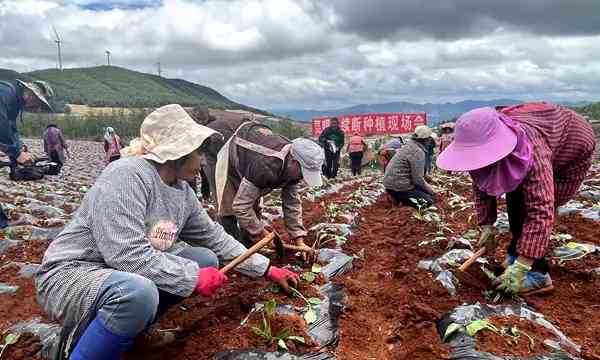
130, 305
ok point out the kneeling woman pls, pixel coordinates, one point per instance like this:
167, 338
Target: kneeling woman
139, 243
404, 178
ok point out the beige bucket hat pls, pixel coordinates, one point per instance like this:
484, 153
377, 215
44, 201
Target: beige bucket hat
168, 133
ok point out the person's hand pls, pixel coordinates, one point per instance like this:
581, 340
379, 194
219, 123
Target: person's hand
209, 281
488, 239
308, 254
25, 158
512, 279
283, 277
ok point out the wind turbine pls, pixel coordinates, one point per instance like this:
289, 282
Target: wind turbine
108, 57
58, 41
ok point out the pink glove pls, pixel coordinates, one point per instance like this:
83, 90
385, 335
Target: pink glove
285, 278
209, 280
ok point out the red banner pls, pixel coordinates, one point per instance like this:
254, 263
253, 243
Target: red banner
373, 124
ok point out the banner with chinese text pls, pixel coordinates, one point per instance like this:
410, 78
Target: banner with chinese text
373, 124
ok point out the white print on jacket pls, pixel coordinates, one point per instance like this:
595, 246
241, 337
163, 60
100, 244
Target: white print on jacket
163, 235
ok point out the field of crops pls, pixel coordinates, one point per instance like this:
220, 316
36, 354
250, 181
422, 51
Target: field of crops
381, 288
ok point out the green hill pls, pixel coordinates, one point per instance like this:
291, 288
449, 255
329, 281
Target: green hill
113, 86
592, 111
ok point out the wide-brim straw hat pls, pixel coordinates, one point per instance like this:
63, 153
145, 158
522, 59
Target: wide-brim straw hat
41, 89
168, 133
480, 139
423, 132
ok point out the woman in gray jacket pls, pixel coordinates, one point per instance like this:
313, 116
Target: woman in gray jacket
139, 243
404, 178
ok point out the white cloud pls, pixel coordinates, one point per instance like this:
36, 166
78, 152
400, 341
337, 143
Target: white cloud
286, 53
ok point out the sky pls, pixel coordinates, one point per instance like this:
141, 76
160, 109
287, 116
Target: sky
317, 54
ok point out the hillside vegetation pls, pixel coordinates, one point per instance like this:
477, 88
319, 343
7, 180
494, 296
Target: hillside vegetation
592, 111
112, 86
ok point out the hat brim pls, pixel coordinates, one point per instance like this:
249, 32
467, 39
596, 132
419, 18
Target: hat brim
179, 149
466, 157
312, 177
37, 94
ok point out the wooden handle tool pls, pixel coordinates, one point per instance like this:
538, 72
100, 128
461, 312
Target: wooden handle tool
240, 259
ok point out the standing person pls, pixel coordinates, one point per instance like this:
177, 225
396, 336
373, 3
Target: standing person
447, 136
332, 140
139, 244
430, 146
404, 178
538, 155
15, 97
55, 145
250, 162
356, 149
112, 145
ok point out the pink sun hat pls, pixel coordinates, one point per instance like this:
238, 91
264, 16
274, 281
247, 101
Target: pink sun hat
480, 138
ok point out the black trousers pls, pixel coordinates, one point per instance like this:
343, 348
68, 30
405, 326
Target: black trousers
3, 218
517, 215
230, 225
356, 162
332, 164
55, 158
403, 197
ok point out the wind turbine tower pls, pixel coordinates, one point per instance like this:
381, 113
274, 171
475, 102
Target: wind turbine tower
107, 57
58, 41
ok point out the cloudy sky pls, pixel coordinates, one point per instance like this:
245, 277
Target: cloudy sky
325, 54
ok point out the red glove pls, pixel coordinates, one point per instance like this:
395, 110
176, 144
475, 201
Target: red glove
285, 278
209, 280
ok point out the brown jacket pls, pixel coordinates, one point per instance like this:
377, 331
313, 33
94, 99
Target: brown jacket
258, 164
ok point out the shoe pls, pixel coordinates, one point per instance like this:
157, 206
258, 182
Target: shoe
537, 283
153, 339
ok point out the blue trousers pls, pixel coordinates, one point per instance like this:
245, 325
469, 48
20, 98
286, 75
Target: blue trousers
128, 303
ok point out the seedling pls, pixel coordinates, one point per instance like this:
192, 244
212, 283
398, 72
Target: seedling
267, 312
9, 339
310, 316
512, 333
310, 276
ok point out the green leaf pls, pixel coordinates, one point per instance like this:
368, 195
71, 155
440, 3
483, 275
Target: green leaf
283, 334
259, 332
451, 329
11, 339
310, 316
281, 344
309, 276
476, 326
298, 339
270, 307
274, 288
316, 268
314, 301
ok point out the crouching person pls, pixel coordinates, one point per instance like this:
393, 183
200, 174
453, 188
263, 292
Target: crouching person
404, 178
139, 244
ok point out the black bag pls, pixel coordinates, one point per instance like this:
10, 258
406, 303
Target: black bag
49, 167
24, 173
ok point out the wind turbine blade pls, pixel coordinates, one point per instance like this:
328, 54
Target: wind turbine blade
56, 33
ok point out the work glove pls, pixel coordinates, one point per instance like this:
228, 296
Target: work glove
488, 239
283, 277
309, 254
512, 279
209, 281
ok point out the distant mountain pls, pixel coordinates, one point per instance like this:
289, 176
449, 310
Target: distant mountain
435, 112
114, 86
